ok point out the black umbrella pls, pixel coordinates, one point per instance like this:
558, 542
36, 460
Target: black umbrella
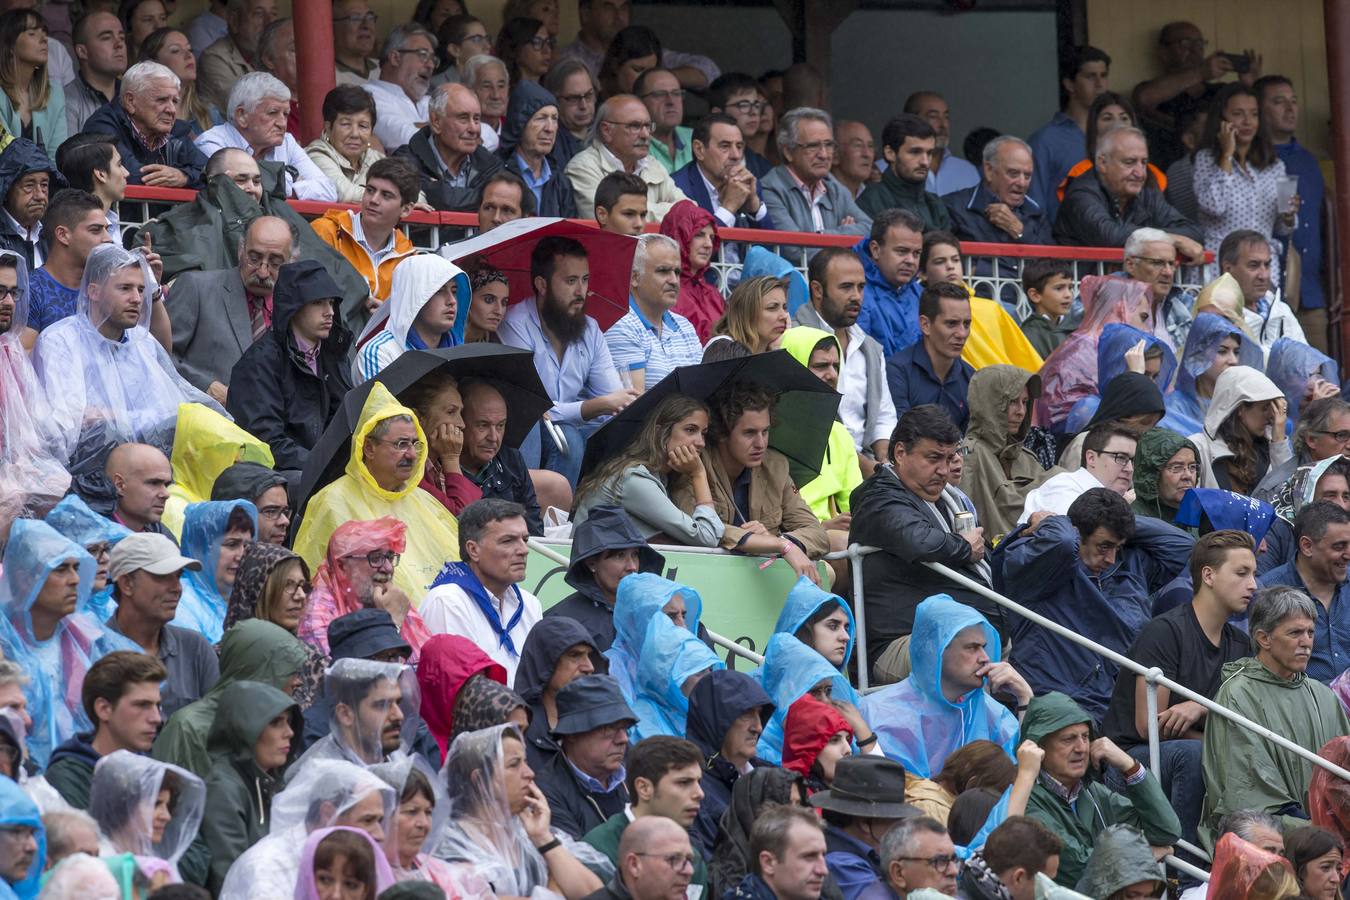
802, 421
510, 369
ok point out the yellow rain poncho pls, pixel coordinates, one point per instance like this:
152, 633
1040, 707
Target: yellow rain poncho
828, 494
996, 338
205, 443
433, 534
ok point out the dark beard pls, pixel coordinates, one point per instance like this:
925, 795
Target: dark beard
561, 324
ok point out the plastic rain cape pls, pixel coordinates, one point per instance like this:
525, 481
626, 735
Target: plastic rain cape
205, 444
18, 809
416, 280
73, 518
123, 797
790, 670
1293, 365
367, 691
670, 656
641, 596
106, 390
202, 608
305, 887
1185, 407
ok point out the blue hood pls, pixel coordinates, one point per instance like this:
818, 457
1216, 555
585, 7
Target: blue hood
916, 725
17, 809
640, 597
1118, 337
889, 314
1292, 365
1226, 511
1186, 410
34, 551
717, 702
202, 608
790, 670
670, 656
73, 518
760, 262
801, 604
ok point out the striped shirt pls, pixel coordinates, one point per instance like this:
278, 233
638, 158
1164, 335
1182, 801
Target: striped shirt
634, 344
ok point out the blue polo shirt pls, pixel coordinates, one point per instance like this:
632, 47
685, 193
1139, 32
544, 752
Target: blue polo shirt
1308, 234
1056, 147
536, 185
1331, 640
634, 344
913, 383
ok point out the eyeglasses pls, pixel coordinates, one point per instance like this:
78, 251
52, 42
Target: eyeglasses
402, 445
1179, 468
577, 99
422, 53
368, 18
476, 39
817, 146
747, 106
1121, 459
377, 558
274, 512
1157, 263
1339, 437
940, 862
663, 96
97, 550
539, 43
633, 128
676, 861
1194, 42
7, 292
256, 260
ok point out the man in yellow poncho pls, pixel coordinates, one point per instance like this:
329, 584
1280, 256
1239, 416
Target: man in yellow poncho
389, 453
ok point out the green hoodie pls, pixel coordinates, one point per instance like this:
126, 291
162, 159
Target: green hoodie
839, 471
1097, 807
999, 471
1156, 447
253, 650
1122, 858
238, 792
1244, 770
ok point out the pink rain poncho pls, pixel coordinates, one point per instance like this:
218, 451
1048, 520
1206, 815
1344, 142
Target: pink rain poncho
306, 889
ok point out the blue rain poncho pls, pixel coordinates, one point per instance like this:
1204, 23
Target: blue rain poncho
915, 724
73, 518
1185, 408
56, 666
1292, 365
670, 656
202, 608
801, 604
640, 597
791, 669
18, 809
1115, 340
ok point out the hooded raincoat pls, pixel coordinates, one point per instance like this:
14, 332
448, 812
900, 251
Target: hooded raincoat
448, 662
1295, 367
1185, 407
917, 725
253, 650
1329, 796
889, 314
123, 797
246, 481
239, 791
544, 646
305, 883
1143, 804
1245, 771
350, 682
1122, 857
791, 669
700, 302
1070, 373
803, 601
999, 470
1156, 446
1237, 385
389, 333
554, 196
670, 656
1239, 865
17, 810
202, 608
731, 858
640, 598
334, 595
606, 528
809, 726
458, 882
318, 797
433, 534
715, 704
109, 389
827, 494
74, 519
1145, 393
205, 444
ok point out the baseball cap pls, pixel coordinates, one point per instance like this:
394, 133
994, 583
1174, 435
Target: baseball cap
154, 553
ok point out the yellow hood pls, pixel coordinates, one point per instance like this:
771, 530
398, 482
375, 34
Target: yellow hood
205, 443
381, 405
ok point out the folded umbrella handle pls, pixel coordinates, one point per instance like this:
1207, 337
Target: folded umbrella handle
555, 434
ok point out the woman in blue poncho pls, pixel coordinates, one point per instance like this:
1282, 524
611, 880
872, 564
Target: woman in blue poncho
97, 534
671, 663
216, 533
1213, 344
639, 598
791, 670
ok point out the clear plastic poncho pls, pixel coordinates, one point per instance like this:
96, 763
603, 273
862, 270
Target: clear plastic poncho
802, 602
1185, 408
1294, 367
205, 443
641, 596
321, 795
916, 725
124, 798
306, 887
362, 693
106, 390
202, 608
791, 669
670, 656
1241, 870
31, 474
57, 665
73, 518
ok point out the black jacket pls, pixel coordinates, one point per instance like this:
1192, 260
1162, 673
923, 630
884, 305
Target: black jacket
714, 706
180, 152
576, 809
273, 394
555, 195
888, 515
23, 157
1090, 217
481, 163
546, 643
507, 477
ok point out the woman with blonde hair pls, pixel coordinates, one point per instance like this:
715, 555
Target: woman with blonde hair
754, 322
31, 105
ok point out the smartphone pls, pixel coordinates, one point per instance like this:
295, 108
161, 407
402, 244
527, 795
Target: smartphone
1242, 63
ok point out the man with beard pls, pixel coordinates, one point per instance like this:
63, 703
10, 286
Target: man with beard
217, 315
837, 280
907, 144
400, 92
371, 704
569, 351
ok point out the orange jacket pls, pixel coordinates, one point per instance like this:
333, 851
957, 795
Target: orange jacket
335, 229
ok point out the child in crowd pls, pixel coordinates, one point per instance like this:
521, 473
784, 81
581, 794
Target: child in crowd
1049, 286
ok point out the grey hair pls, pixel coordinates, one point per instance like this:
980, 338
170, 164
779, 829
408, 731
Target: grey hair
268, 38
644, 243
12, 673
143, 74
382, 427
59, 823
477, 64
1134, 244
787, 126
1106, 142
1244, 822
991, 149
399, 37
440, 97
251, 90
1315, 417
899, 840
80, 875
1273, 605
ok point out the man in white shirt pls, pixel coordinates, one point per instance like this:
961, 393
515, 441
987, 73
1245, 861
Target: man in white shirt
256, 122
479, 598
1108, 461
400, 93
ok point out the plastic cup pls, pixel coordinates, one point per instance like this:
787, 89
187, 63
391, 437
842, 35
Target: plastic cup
1286, 189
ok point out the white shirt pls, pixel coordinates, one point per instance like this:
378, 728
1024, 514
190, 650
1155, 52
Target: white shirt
449, 610
377, 257
491, 139
311, 184
726, 216
30, 236
397, 118
60, 67
1058, 493
612, 160
853, 408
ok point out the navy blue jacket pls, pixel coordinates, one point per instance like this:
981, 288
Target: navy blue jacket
913, 382
714, 706
180, 152
690, 180
967, 206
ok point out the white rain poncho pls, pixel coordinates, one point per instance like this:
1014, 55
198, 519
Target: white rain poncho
389, 333
373, 703
484, 833
128, 800
31, 475
325, 793
415, 823
107, 379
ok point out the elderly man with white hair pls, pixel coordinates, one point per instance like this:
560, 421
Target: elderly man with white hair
622, 143
447, 153
402, 86
1151, 257
255, 120
487, 77
154, 143
1108, 202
